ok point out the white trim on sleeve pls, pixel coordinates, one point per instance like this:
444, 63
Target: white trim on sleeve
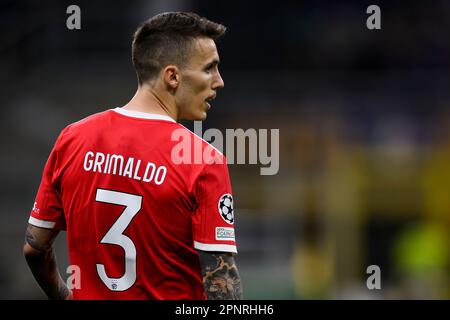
41, 223
215, 247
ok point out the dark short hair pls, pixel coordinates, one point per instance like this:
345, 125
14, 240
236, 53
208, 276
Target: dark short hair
167, 38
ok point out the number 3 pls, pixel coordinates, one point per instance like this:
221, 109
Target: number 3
115, 236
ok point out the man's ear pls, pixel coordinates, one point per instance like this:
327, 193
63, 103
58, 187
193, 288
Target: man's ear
171, 76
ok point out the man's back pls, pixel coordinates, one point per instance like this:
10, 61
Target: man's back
147, 205
134, 218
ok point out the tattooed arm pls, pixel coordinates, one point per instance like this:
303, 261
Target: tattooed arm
40, 255
220, 276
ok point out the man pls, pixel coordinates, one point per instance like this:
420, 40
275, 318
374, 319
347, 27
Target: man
140, 224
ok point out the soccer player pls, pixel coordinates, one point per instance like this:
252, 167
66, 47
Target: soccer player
140, 224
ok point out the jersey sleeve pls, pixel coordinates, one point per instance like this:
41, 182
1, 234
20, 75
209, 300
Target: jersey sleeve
47, 210
213, 218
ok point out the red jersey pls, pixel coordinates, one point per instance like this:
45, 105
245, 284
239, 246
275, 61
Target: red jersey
135, 206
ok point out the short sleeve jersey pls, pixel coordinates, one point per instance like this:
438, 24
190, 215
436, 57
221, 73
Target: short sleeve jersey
138, 195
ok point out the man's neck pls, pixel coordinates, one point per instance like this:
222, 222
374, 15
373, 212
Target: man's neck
148, 100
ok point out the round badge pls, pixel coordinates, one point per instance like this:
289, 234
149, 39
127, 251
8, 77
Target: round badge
226, 208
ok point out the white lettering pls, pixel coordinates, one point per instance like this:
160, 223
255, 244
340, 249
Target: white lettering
114, 164
115, 158
88, 163
74, 20
181, 152
106, 163
128, 168
210, 153
188, 310
374, 280
373, 22
74, 280
98, 163
160, 177
146, 178
274, 164
136, 170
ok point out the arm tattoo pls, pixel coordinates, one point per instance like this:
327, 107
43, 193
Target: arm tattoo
42, 261
220, 276
61, 291
32, 240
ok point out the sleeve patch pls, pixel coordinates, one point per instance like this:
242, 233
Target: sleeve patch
225, 234
226, 210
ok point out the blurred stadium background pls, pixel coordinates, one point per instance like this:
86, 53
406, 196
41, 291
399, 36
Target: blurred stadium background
364, 119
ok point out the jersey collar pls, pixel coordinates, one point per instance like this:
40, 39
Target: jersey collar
143, 115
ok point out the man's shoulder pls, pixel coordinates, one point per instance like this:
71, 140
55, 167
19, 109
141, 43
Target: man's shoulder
89, 120
82, 126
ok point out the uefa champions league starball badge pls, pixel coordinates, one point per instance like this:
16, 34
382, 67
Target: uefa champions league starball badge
226, 208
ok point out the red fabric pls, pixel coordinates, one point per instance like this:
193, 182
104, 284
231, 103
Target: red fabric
161, 218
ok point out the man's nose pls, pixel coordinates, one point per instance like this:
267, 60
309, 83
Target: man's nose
218, 83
